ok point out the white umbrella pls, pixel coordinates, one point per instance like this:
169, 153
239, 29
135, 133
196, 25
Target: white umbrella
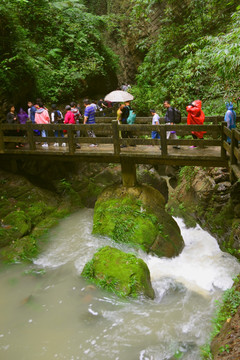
118, 96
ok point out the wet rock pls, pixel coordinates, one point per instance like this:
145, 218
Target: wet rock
237, 211
235, 192
137, 216
121, 273
151, 177
15, 225
171, 171
221, 178
221, 199
223, 187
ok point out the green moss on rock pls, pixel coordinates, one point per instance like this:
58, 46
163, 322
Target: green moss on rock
14, 225
23, 249
137, 216
124, 274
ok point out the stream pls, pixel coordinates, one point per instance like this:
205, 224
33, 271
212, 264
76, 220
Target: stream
49, 312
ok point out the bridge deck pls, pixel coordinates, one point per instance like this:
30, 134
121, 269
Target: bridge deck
207, 156
220, 146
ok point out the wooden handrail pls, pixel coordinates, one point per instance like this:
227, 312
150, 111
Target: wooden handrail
109, 133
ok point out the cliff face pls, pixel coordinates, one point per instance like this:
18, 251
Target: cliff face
130, 32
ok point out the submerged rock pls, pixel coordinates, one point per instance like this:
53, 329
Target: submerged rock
137, 216
118, 272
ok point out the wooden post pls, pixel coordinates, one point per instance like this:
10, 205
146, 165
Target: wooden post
116, 143
224, 138
129, 177
163, 139
233, 159
71, 144
1, 140
30, 136
234, 143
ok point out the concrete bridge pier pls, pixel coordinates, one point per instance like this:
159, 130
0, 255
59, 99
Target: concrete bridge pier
129, 176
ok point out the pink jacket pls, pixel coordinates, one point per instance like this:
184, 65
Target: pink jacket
69, 117
41, 116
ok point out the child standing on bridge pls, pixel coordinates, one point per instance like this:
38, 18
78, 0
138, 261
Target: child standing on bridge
155, 121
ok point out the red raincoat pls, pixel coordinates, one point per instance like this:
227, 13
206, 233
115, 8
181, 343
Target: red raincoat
196, 117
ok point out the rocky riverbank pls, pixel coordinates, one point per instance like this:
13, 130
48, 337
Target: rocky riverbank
38, 194
207, 197
35, 195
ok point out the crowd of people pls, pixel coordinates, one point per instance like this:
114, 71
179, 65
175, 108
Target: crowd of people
37, 113
195, 117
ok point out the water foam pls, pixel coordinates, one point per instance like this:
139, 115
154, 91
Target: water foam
201, 266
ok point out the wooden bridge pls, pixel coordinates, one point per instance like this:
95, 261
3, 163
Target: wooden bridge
214, 150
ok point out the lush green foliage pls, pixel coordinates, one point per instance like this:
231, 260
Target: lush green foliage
52, 49
226, 308
57, 50
196, 55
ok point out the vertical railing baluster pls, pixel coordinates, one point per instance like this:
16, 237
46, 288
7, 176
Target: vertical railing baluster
30, 136
234, 143
70, 138
223, 138
163, 139
116, 143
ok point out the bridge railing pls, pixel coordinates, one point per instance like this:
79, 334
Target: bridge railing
148, 119
231, 141
217, 135
138, 134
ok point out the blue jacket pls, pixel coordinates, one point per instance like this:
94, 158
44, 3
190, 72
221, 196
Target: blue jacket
230, 116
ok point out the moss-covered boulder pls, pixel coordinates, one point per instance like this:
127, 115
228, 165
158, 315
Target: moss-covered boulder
124, 274
137, 216
13, 226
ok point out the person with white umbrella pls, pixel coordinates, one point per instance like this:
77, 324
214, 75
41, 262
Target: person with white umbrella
124, 97
118, 96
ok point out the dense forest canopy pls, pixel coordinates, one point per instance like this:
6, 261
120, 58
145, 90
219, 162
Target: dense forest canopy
196, 54
67, 49
53, 49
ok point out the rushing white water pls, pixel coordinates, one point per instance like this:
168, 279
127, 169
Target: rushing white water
57, 315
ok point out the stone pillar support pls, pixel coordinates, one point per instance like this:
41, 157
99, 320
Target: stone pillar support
129, 176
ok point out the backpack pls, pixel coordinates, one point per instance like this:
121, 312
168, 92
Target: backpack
177, 116
58, 116
131, 117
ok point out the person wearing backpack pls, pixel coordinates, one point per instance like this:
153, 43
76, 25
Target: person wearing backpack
172, 116
57, 118
127, 113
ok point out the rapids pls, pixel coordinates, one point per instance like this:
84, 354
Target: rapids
49, 312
